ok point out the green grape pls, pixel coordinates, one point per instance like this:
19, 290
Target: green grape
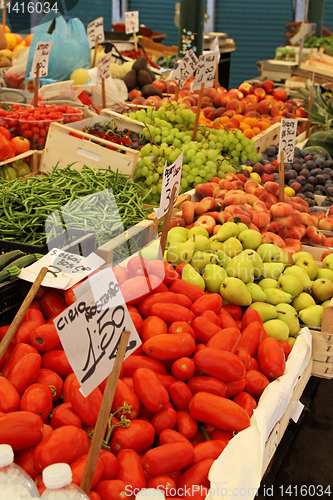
146, 149
210, 164
195, 172
154, 189
198, 179
226, 144
149, 180
186, 168
208, 177
239, 147
190, 178
146, 161
137, 172
212, 144
248, 149
204, 146
155, 150
159, 188
200, 155
191, 153
202, 172
184, 183
174, 131
174, 155
187, 138
176, 143
157, 138
213, 171
207, 168
145, 171
155, 177
198, 162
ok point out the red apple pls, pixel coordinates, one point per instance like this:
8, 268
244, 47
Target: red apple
134, 93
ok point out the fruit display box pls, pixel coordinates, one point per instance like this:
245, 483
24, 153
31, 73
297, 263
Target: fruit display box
63, 148
32, 157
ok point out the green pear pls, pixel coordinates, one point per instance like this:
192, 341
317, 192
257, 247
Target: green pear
302, 255
174, 238
178, 229
228, 230
235, 292
197, 230
201, 259
322, 290
242, 227
250, 239
285, 257
325, 273
215, 245
268, 252
257, 293
214, 275
272, 270
275, 296
265, 311
290, 284
328, 262
302, 301
180, 252
232, 246
277, 328
201, 242
222, 258
267, 283
190, 275
301, 274
240, 267
326, 303
291, 341
312, 315
152, 251
254, 257
288, 314
309, 265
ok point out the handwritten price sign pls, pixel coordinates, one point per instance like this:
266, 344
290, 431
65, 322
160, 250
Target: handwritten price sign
131, 22
206, 68
95, 31
186, 67
103, 67
171, 177
41, 57
90, 329
287, 139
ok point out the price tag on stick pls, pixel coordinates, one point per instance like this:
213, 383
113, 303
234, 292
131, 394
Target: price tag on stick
131, 22
41, 58
281, 177
186, 68
95, 32
171, 178
103, 68
90, 329
205, 73
287, 139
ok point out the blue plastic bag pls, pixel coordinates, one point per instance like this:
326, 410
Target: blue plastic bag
70, 49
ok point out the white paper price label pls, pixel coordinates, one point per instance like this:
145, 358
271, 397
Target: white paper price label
131, 22
64, 269
186, 67
171, 177
205, 73
95, 31
4, 4
90, 330
216, 48
103, 67
41, 57
287, 139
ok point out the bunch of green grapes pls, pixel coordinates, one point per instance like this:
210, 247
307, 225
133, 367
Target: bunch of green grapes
169, 130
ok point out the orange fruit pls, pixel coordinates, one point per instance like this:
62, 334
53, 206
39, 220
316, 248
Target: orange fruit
230, 125
256, 130
11, 40
28, 39
18, 37
244, 126
249, 133
18, 47
239, 117
264, 124
250, 121
7, 29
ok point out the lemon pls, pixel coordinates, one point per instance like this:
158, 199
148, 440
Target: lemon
255, 177
290, 191
80, 76
7, 53
247, 167
11, 40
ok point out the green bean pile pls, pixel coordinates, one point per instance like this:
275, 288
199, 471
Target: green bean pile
68, 198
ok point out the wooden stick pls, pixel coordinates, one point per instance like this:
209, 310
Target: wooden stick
103, 93
4, 18
281, 177
103, 415
166, 221
177, 91
22, 310
135, 42
308, 125
36, 86
93, 64
217, 75
196, 122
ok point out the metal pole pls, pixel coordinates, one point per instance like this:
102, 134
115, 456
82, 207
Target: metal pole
191, 26
316, 14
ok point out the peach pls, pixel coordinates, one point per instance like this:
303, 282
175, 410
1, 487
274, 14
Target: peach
134, 93
327, 252
296, 232
279, 110
295, 243
264, 229
326, 224
206, 204
243, 218
224, 217
287, 221
315, 235
246, 88
268, 85
319, 215
261, 207
281, 209
236, 92
300, 113
213, 214
269, 237
280, 95
296, 206
272, 187
278, 228
231, 177
202, 190
237, 184
234, 209
234, 199
260, 219
308, 220
250, 198
208, 112
188, 212
260, 93
206, 101
328, 243
176, 221
217, 227
252, 226
236, 105
291, 250
210, 92
225, 184
297, 216
265, 106
207, 222
269, 199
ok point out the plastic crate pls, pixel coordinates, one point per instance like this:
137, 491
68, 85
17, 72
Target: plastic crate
75, 241
10, 300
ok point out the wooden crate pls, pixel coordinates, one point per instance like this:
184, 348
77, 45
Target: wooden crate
176, 208
63, 149
280, 427
267, 137
32, 157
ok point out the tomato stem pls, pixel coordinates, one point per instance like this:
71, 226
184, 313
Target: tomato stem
204, 432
